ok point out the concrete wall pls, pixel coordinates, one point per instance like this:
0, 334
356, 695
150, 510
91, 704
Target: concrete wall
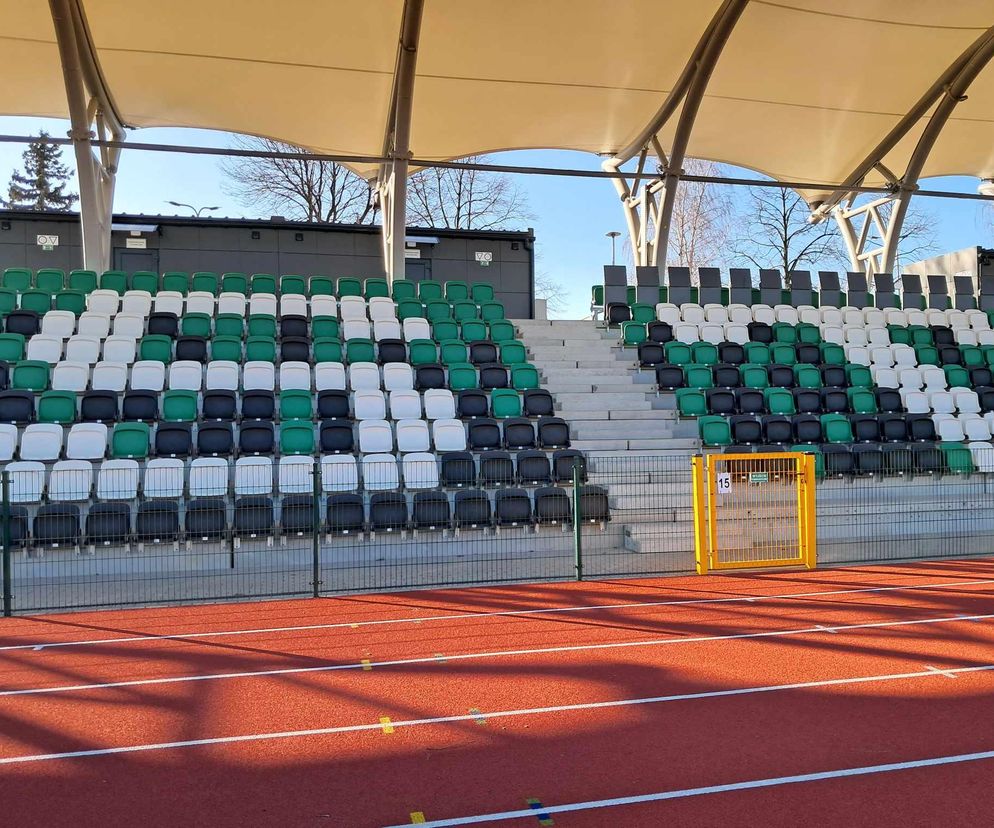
970, 261
280, 247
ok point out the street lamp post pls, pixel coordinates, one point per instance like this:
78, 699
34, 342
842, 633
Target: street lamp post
612, 235
197, 211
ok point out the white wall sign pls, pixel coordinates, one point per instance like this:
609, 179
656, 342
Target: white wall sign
484, 257
135, 244
47, 242
723, 482
412, 253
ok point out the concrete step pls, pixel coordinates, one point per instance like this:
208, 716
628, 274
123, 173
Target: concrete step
554, 337
637, 444
576, 354
665, 539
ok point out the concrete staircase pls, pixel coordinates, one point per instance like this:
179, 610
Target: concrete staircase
611, 407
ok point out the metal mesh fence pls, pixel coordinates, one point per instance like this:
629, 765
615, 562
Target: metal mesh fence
124, 533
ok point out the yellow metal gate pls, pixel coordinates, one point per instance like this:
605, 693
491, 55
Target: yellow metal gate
754, 510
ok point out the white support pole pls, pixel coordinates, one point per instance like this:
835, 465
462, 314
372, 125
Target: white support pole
90, 110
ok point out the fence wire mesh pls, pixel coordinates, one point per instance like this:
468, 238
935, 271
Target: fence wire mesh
127, 533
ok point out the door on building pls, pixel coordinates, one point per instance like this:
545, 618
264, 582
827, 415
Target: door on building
417, 270
132, 260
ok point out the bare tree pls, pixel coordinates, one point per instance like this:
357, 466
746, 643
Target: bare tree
702, 220
552, 291
300, 189
776, 233
463, 199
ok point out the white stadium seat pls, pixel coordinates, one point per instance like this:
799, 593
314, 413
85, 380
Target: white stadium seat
222, 375
420, 470
405, 404
412, 435
329, 376
118, 480
70, 480
448, 435
295, 375
375, 436
339, 473
109, 376
148, 375
259, 376
87, 441
380, 472
41, 441
254, 475
439, 404
71, 376
163, 478
369, 404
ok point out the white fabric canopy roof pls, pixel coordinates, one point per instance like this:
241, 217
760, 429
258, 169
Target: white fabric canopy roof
802, 91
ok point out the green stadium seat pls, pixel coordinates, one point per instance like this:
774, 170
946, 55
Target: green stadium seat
157, 347
206, 281
325, 326
501, 331
462, 377
597, 296
404, 289
321, 286
456, 291
757, 353
783, 332
179, 406
438, 309
812, 448
84, 280
327, 349
229, 324
262, 324
779, 401
973, 357
263, 283
957, 376
899, 335
472, 330
130, 441
698, 376
16, 278
505, 402
808, 334
176, 281
8, 300
39, 301
832, 354
927, 354
293, 286
423, 352
116, 280
145, 280
360, 350
57, 407
376, 287
704, 353
296, 404
755, 376
862, 400
31, 375
50, 279
920, 335
296, 438
348, 286
958, 458
196, 324
70, 300
807, 376
410, 309
678, 353
835, 428
429, 291
465, 310
859, 376
715, 431
227, 348
633, 334
482, 292
524, 377
782, 354
234, 283
642, 312
452, 351
444, 329
513, 353
11, 347
691, 402
260, 349
491, 311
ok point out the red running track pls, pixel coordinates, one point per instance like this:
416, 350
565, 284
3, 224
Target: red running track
856, 696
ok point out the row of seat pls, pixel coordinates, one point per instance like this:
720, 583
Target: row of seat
52, 280
899, 459
181, 405
256, 516
95, 440
173, 478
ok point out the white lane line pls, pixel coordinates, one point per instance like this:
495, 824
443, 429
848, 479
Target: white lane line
825, 629
751, 784
939, 671
498, 714
366, 664
496, 614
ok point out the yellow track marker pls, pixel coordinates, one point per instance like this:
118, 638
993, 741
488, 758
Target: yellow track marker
367, 664
536, 805
386, 724
478, 716
417, 817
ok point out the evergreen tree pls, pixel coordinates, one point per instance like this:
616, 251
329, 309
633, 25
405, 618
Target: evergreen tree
42, 185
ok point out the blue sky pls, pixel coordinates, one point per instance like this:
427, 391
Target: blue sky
571, 215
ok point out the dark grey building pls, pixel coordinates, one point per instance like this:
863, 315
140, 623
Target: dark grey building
506, 259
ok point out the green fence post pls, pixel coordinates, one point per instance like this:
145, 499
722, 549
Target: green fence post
316, 530
8, 601
577, 520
